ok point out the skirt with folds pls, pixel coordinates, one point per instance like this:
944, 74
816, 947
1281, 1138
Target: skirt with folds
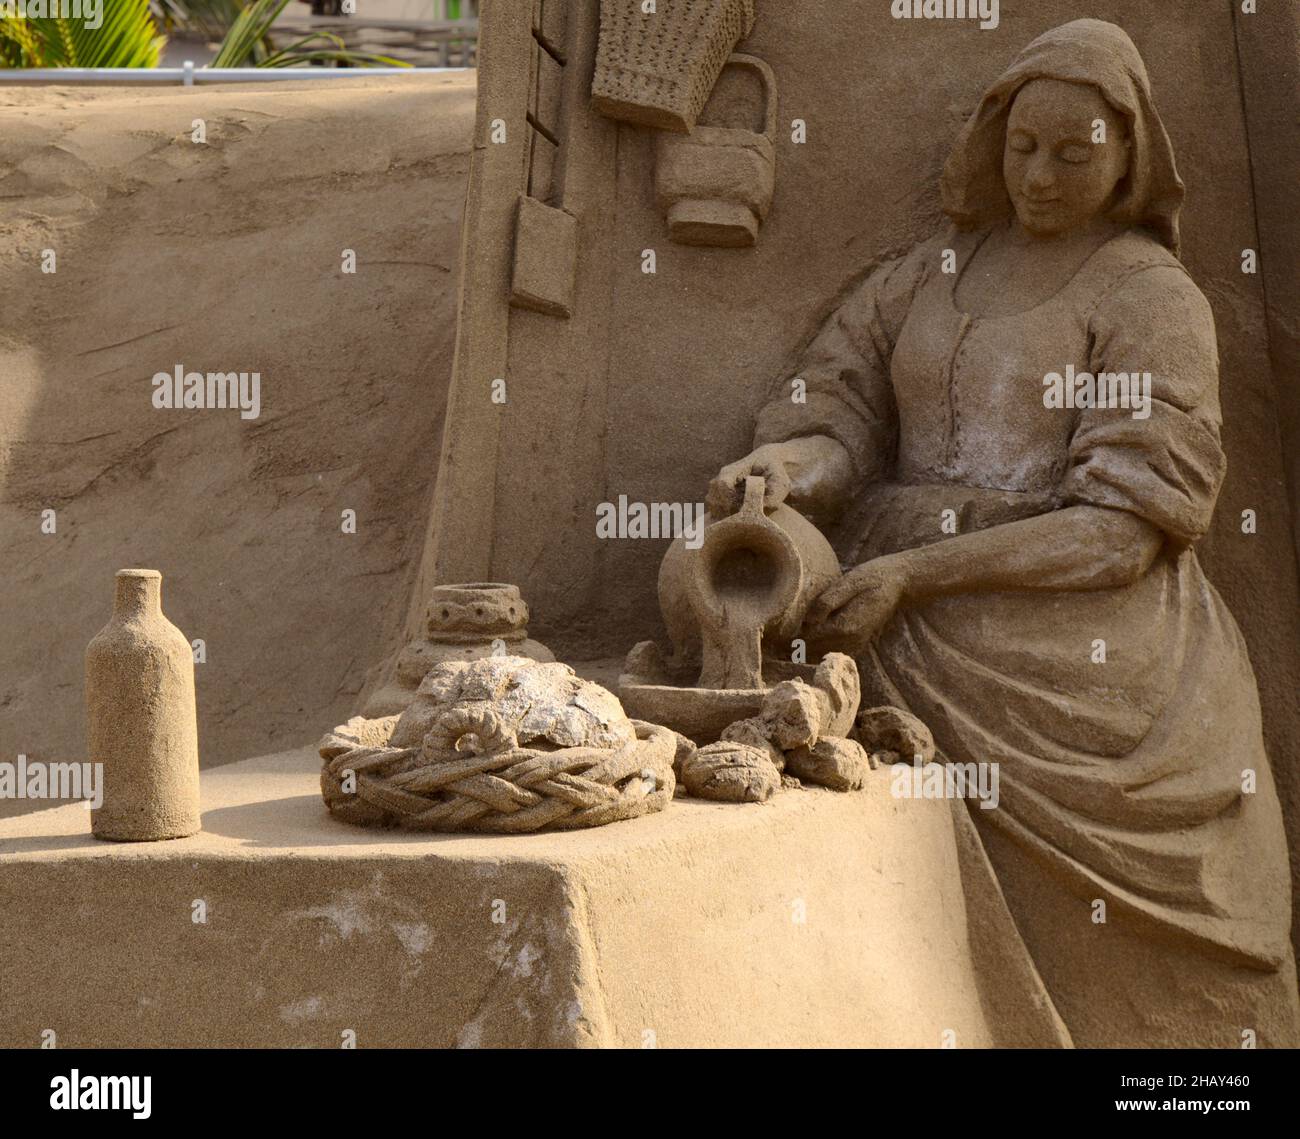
1125, 725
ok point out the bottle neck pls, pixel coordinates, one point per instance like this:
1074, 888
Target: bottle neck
138, 595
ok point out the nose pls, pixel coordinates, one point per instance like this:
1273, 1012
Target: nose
1039, 176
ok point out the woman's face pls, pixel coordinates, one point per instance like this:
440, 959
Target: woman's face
1057, 176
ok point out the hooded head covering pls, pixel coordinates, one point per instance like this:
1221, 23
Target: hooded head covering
1084, 51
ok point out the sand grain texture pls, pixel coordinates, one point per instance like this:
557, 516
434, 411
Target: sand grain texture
224, 256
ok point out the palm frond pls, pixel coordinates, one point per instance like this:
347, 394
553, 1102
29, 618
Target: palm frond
346, 57
249, 42
302, 51
248, 39
20, 45
126, 37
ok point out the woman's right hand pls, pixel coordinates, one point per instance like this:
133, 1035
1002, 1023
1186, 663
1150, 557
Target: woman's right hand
815, 472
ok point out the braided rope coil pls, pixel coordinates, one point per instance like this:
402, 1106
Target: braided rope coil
470, 774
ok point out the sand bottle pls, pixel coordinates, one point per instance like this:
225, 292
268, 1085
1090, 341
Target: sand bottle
141, 720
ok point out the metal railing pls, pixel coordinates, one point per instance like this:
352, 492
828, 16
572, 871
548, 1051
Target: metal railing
429, 47
190, 76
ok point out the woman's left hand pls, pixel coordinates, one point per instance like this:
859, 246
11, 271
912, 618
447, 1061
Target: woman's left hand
851, 611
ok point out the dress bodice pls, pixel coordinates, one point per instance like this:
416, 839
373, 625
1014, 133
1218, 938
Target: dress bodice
969, 389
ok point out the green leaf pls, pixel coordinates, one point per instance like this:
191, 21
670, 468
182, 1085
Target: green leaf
247, 41
20, 46
126, 37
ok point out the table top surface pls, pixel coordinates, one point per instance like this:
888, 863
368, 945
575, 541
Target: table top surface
271, 807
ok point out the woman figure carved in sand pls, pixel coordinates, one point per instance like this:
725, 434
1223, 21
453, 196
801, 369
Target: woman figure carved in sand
1066, 631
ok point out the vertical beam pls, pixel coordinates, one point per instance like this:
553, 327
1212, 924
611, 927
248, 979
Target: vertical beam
556, 423
459, 543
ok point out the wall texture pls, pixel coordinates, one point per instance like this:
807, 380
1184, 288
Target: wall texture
222, 256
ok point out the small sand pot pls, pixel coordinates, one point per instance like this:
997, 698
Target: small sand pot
657, 69
140, 718
462, 621
715, 185
466, 622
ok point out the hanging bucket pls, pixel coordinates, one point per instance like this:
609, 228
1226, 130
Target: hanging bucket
715, 185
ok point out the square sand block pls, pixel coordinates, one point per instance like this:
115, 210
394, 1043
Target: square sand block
815, 919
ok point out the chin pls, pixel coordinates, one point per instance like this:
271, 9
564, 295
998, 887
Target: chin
1041, 223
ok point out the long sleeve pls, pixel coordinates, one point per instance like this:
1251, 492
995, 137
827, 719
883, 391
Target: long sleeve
847, 392
1168, 467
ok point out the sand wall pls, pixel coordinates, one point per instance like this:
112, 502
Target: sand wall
222, 256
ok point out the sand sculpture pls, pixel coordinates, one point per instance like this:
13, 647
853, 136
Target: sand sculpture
985, 511
800, 732
981, 516
140, 717
548, 750
1149, 791
462, 622
737, 681
502, 743
715, 185
660, 73
733, 609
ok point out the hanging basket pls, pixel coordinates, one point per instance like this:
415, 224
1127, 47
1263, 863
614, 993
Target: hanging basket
659, 69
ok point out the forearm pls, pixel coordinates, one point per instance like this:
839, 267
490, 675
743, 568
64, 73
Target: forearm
1078, 548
